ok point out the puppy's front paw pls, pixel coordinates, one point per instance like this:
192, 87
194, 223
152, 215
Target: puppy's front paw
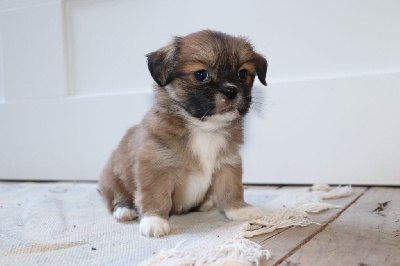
244, 214
124, 214
154, 226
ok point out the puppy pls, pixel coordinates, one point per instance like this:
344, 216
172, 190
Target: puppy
184, 155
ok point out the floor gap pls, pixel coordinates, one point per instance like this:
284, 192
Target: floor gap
322, 228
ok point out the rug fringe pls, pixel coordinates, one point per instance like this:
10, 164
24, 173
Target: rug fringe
338, 192
278, 220
297, 215
239, 251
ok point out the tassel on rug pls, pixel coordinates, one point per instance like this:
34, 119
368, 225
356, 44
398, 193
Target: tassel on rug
232, 253
297, 214
325, 192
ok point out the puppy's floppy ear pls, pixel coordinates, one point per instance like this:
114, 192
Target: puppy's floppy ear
261, 68
162, 62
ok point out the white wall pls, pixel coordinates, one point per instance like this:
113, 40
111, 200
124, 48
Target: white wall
73, 77
301, 39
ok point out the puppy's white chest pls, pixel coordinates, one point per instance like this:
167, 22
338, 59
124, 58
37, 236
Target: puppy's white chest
205, 147
195, 190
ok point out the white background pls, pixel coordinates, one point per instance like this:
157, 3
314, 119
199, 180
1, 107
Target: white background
73, 78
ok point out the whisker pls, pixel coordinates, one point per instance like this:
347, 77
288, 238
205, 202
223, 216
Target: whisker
203, 117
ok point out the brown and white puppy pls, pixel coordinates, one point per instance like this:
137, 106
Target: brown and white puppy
184, 155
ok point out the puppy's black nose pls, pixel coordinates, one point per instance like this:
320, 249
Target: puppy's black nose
230, 92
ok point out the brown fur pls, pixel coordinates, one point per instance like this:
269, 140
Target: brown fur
154, 164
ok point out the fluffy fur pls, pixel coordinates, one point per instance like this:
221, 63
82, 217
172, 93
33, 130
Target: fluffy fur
184, 155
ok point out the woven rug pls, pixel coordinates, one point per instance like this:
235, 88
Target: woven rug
67, 223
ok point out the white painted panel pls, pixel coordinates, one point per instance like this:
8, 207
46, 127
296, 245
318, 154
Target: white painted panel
33, 52
301, 39
65, 139
2, 88
19, 4
332, 131
106, 49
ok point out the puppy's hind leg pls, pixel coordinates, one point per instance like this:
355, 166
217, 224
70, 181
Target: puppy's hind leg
118, 200
123, 208
124, 212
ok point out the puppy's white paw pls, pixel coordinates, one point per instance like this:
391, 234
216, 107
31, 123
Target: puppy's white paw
124, 214
244, 214
154, 226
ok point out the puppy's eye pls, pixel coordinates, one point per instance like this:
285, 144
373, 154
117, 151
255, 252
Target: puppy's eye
201, 75
242, 74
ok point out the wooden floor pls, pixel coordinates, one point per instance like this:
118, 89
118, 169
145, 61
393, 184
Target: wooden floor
366, 231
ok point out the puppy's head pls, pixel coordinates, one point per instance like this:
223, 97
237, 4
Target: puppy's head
208, 73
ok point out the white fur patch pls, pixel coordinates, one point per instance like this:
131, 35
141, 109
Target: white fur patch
124, 214
205, 146
211, 123
171, 91
244, 214
216, 122
195, 190
154, 226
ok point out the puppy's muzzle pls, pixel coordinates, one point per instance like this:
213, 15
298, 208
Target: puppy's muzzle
230, 92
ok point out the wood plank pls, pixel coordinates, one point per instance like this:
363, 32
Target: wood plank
282, 242
367, 233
